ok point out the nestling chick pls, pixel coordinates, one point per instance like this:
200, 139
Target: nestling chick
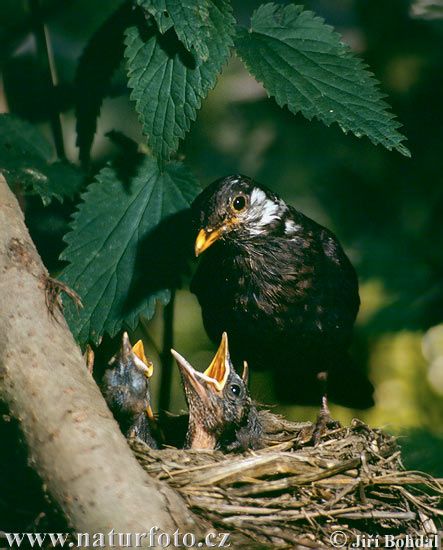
221, 413
126, 389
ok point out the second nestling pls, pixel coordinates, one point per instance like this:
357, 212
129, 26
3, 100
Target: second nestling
221, 412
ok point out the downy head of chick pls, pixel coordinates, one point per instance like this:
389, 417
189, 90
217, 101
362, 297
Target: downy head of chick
221, 412
126, 389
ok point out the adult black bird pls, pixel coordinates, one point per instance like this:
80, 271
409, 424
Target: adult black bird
221, 412
282, 287
125, 386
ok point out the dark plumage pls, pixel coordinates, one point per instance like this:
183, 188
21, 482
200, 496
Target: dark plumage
221, 413
282, 287
126, 389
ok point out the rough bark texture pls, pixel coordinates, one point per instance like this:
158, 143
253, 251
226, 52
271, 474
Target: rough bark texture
74, 442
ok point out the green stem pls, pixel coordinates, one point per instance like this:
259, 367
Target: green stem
166, 357
38, 28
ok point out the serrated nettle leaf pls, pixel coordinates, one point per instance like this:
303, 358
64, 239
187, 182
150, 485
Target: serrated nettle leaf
158, 11
58, 180
65, 180
168, 82
113, 222
190, 19
304, 65
24, 161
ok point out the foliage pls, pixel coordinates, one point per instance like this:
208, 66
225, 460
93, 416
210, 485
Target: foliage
177, 78
174, 51
111, 224
25, 160
304, 65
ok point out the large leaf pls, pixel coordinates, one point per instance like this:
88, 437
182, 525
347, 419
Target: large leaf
25, 160
114, 227
168, 81
190, 19
100, 59
304, 65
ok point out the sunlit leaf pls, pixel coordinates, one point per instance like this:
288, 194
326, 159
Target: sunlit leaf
304, 65
190, 19
168, 82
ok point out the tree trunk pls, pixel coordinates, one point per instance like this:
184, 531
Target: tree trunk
74, 442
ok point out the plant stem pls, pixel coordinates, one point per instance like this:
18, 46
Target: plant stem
43, 56
166, 357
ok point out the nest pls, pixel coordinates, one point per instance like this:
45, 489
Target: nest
290, 494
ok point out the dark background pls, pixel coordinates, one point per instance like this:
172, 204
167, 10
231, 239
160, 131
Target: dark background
386, 209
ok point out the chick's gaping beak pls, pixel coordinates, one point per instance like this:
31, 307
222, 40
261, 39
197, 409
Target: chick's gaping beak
219, 369
138, 355
143, 364
205, 238
192, 378
135, 355
215, 376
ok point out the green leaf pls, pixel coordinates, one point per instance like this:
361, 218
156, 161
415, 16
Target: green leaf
100, 59
304, 65
109, 232
168, 82
20, 138
190, 19
63, 180
25, 160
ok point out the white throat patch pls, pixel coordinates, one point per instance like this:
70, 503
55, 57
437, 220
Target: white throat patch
263, 211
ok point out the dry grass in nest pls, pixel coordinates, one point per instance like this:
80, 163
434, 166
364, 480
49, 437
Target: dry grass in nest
292, 495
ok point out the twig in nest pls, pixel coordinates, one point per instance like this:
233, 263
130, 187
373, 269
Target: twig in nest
287, 494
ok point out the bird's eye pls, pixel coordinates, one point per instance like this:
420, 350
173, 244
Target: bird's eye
239, 203
235, 389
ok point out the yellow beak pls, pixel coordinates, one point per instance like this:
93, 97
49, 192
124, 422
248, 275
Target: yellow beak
219, 368
147, 366
205, 238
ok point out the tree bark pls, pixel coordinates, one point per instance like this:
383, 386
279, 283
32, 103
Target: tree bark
74, 442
